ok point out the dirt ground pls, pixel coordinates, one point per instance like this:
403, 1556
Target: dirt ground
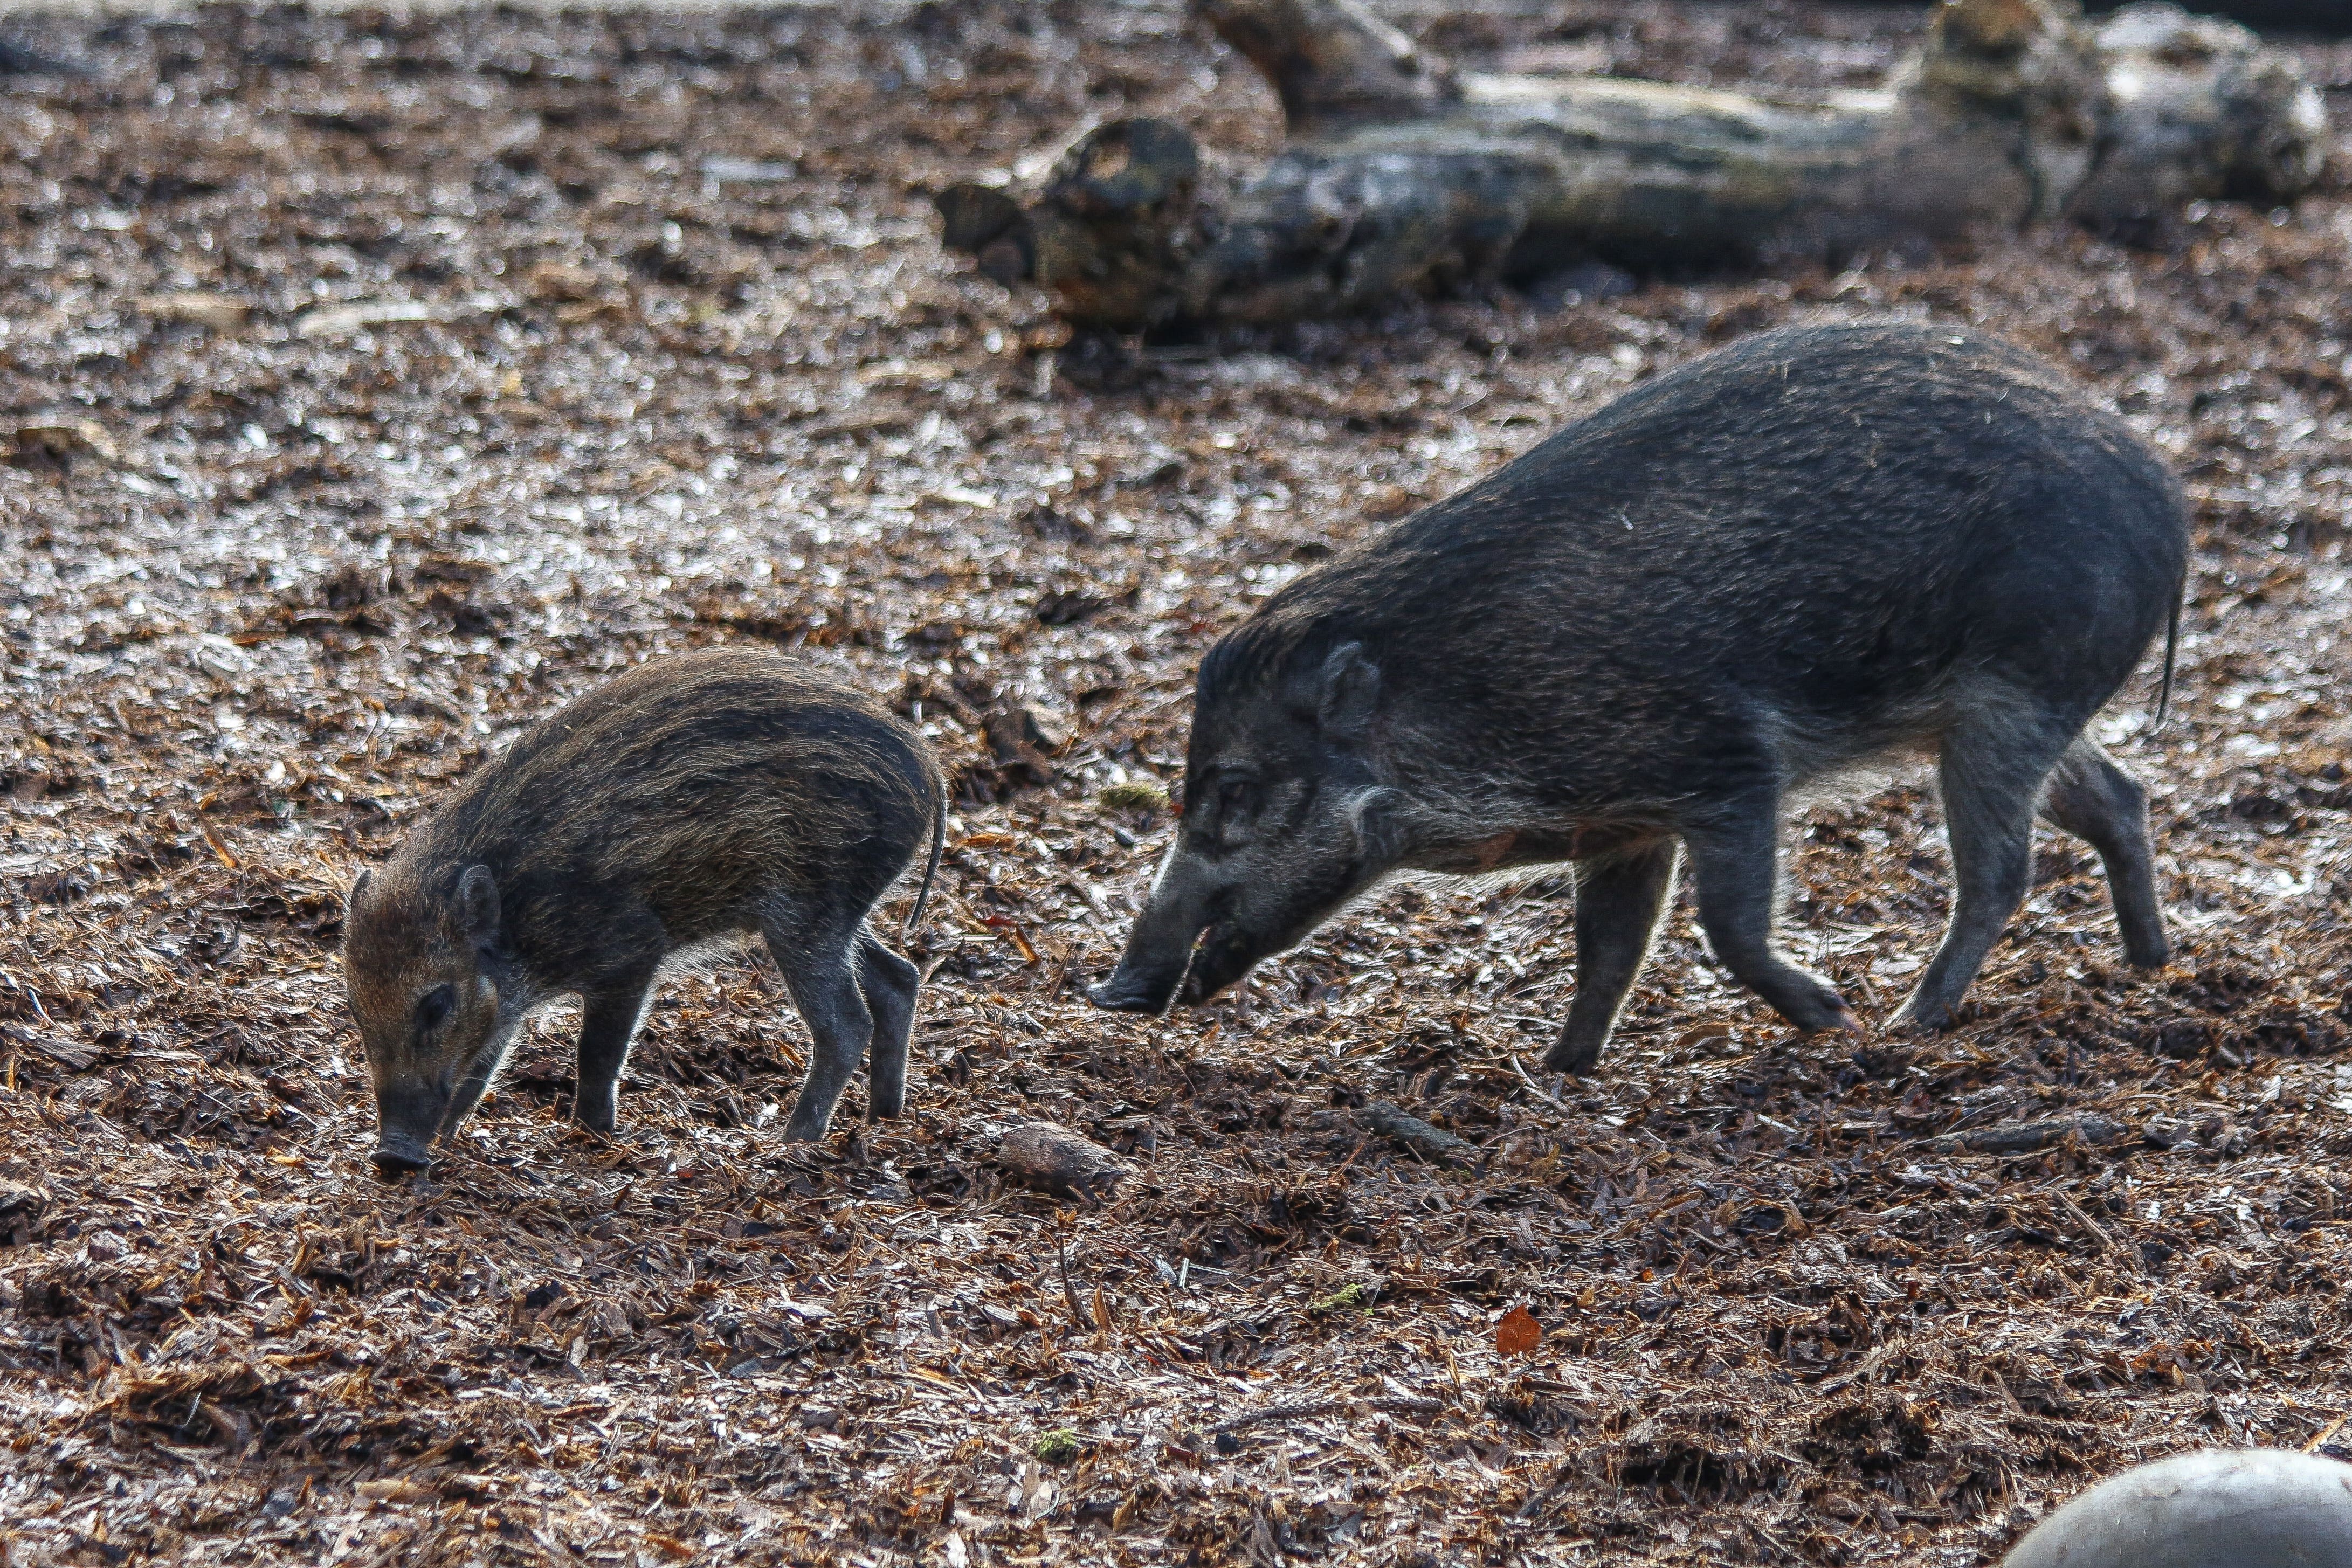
269, 585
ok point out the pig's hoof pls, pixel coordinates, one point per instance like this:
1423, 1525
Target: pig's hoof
1578, 1061
602, 1126
1826, 1014
1925, 1017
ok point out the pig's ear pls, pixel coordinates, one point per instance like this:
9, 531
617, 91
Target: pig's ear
358, 890
1351, 687
478, 903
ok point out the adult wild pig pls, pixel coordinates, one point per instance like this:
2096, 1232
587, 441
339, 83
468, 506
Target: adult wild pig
1820, 548
683, 804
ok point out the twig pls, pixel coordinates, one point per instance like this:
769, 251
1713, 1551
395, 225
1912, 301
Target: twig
1388, 1404
1547, 1099
1069, 1291
2097, 1232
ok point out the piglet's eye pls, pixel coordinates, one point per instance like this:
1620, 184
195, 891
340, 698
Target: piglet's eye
435, 1006
1236, 797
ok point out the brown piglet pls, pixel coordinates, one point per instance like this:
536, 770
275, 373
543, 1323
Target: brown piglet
690, 802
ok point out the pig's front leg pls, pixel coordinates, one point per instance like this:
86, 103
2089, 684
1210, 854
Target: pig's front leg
1618, 897
1735, 860
608, 1021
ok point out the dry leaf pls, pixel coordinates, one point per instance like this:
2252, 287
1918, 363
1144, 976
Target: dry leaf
1518, 1333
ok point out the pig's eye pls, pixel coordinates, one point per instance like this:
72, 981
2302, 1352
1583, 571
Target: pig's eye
435, 1006
1236, 797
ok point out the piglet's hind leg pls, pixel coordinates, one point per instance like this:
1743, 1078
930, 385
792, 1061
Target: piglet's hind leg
889, 984
821, 972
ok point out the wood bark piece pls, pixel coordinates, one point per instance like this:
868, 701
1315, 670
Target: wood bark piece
1056, 1158
2030, 1137
1402, 173
1434, 1143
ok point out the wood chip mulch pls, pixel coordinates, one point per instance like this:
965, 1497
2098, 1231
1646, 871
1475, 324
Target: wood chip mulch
376, 382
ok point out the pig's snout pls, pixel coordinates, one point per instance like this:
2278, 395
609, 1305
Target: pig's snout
1196, 976
1149, 979
1130, 992
408, 1113
1159, 949
399, 1156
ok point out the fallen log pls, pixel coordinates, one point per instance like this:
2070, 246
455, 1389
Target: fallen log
1405, 174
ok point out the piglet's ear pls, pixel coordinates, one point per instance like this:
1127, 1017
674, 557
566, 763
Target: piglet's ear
1351, 690
358, 890
477, 902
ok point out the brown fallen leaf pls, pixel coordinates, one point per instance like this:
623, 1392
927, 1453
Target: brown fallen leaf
1010, 931
1518, 1333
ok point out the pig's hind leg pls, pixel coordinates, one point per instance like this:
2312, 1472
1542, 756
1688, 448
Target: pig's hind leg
888, 983
1735, 860
819, 960
1990, 771
1619, 898
2099, 803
